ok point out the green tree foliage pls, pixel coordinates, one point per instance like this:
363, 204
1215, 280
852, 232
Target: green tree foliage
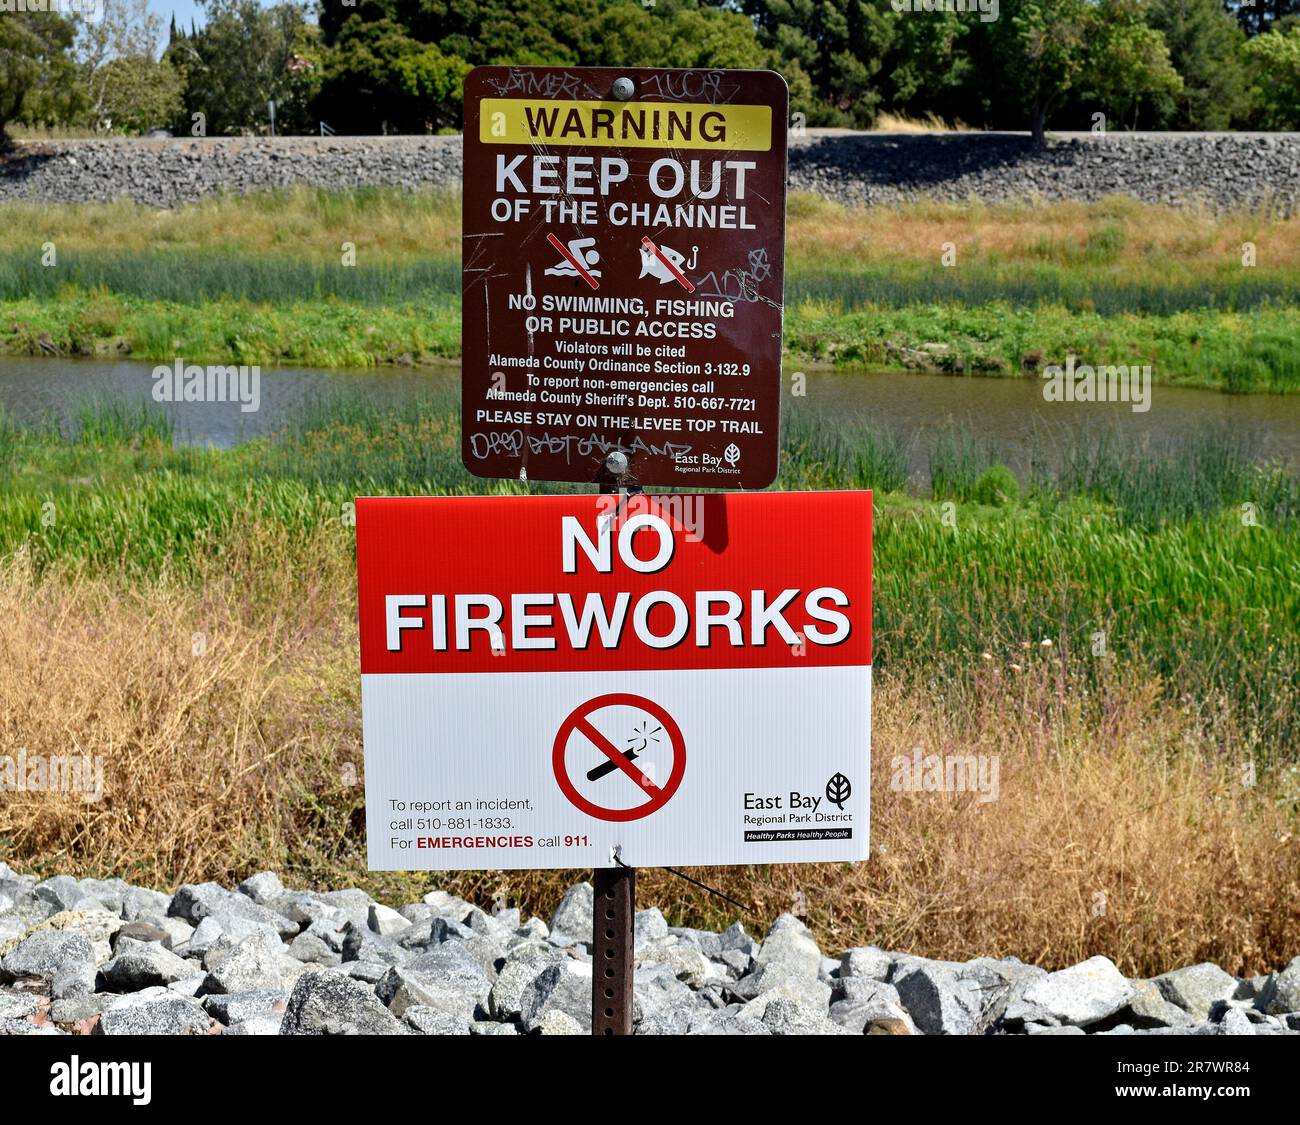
1274, 60
838, 45
1126, 61
1204, 44
378, 79
125, 86
238, 62
37, 72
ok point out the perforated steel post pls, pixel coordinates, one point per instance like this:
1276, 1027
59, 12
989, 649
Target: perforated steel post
611, 975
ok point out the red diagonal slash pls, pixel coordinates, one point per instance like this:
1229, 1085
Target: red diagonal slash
577, 265
613, 753
672, 269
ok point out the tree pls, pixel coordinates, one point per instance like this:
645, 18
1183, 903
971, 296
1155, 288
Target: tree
124, 83
238, 62
36, 70
378, 78
1126, 60
1100, 50
1042, 50
139, 94
1205, 46
840, 45
1259, 16
1274, 59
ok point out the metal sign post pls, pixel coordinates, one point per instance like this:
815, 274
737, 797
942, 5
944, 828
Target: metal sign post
613, 916
612, 941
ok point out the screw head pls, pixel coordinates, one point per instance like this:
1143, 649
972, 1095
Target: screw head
617, 463
623, 89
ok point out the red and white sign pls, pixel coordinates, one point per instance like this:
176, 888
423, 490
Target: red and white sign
553, 681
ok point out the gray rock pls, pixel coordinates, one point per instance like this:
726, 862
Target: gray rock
1040, 1029
574, 914
785, 1017
662, 1021
79, 1007
433, 1021
263, 888
64, 893
562, 988
372, 972
310, 949
1281, 993
872, 1006
1235, 1022
155, 1011
141, 931
489, 1028
140, 900
17, 1005
556, 1022
360, 943
790, 943
687, 964
447, 979
258, 1025
385, 921
145, 964
648, 926
726, 1023
521, 968
240, 1007
257, 963
447, 905
939, 1001
866, 961
353, 903
1083, 994
1196, 988
108, 893
63, 958
1149, 1008
785, 979
196, 901
329, 1003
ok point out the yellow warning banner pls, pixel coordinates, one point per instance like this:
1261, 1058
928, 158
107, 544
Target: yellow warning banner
518, 121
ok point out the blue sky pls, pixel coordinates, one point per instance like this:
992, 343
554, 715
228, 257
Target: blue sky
185, 11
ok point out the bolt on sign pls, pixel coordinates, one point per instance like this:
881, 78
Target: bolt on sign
623, 257
555, 681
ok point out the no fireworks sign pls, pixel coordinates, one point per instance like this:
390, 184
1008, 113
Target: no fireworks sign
566, 681
623, 248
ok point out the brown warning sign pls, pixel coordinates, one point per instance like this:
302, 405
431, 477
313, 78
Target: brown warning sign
624, 245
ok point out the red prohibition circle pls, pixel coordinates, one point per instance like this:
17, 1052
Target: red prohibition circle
657, 799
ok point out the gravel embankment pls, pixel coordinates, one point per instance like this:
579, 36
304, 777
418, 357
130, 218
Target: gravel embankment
88, 956
1222, 171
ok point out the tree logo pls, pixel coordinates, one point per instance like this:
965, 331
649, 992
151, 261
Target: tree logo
838, 790
731, 454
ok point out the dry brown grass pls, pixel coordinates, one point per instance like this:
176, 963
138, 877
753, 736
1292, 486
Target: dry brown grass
298, 222
404, 226
221, 764
930, 123
1146, 237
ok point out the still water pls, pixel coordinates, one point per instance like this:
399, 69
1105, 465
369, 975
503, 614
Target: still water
1009, 413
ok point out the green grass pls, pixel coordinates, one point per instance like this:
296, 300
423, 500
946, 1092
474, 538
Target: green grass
1146, 546
262, 279
1229, 351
